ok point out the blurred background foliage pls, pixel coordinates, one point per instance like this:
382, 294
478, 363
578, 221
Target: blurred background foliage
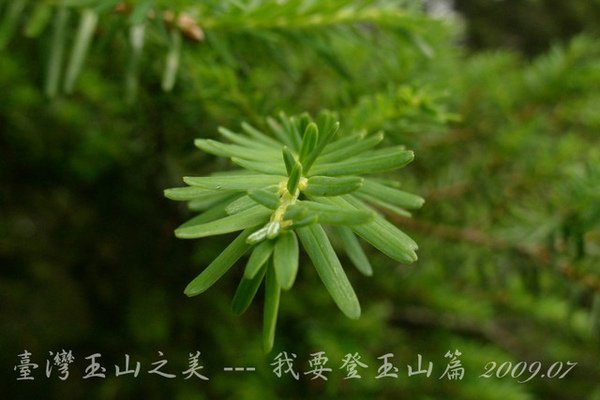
101, 101
530, 26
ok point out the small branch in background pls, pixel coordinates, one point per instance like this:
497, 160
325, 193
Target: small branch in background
448, 192
454, 136
468, 235
491, 331
474, 236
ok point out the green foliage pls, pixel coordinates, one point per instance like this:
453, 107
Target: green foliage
507, 160
289, 188
163, 26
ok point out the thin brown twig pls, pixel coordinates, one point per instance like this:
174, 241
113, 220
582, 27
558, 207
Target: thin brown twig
474, 236
491, 331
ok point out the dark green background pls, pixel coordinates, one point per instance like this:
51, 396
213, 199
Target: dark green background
509, 236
